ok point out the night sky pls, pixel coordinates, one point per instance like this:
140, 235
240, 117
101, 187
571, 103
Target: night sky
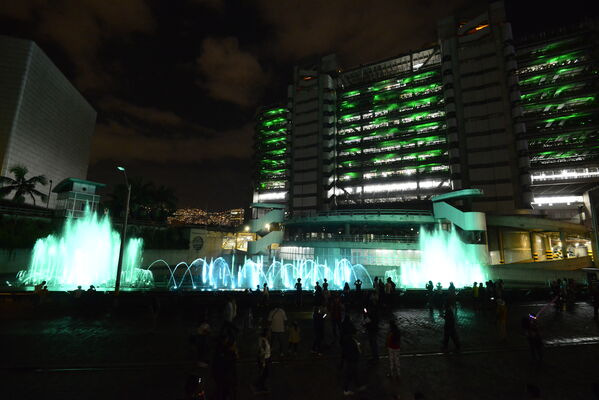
176, 83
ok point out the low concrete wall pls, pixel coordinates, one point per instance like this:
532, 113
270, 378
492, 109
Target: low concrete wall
540, 273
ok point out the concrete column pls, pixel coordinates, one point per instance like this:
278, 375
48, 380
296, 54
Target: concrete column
548, 249
534, 252
500, 245
564, 247
346, 230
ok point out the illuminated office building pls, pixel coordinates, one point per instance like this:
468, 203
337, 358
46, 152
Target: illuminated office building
394, 133
271, 145
473, 133
517, 119
559, 82
391, 141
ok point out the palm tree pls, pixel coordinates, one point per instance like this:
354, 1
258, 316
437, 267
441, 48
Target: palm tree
21, 185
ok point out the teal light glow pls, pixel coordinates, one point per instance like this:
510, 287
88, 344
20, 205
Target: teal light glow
443, 258
85, 253
280, 275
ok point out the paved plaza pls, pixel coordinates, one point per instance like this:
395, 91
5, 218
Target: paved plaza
56, 351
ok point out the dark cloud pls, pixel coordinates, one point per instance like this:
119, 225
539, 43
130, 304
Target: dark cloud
175, 83
216, 4
358, 31
115, 140
152, 115
229, 73
131, 133
80, 26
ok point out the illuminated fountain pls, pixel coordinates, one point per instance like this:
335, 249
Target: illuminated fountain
442, 257
280, 275
85, 253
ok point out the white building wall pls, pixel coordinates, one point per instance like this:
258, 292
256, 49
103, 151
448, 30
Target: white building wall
50, 129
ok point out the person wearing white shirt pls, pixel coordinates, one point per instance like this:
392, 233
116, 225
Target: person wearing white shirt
278, 319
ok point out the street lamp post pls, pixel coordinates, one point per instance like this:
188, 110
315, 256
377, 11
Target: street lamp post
119, 267
49, 193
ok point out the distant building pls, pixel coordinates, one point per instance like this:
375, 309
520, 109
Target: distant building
73, 195
237, 216
45, 123
197, 216
273, 149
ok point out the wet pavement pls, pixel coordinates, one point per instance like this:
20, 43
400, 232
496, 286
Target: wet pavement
55, 352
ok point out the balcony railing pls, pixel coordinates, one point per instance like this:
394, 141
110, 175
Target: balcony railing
374, 212
357, 238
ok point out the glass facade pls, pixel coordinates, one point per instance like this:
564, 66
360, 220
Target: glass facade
365, 257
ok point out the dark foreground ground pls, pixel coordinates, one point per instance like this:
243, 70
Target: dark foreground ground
61, 350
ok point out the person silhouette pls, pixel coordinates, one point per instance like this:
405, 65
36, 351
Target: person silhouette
298, 292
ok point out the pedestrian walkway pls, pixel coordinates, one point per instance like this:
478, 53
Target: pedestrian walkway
136, 356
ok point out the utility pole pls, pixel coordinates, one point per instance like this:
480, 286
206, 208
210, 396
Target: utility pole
49, 192
119, 269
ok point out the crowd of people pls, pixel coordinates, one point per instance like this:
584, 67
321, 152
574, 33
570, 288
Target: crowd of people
340, 320
336, 330
279, 337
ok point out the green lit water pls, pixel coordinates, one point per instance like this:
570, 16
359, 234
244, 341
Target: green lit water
85, 253
444, 258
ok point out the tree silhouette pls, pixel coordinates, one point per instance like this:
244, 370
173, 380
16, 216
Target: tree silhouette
148, 202
22, 186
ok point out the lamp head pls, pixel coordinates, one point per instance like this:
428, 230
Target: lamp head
121, 168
